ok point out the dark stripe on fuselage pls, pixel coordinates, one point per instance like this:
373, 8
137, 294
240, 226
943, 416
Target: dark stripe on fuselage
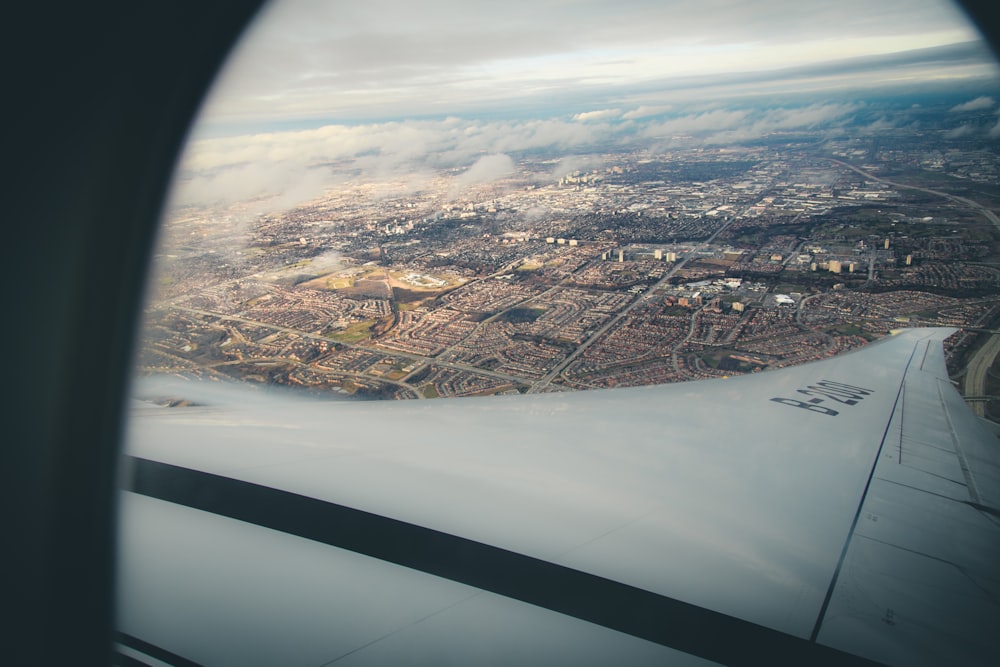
608, 603
152, 651
124, 660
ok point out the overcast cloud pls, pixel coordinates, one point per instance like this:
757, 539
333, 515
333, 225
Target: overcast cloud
385, 89
379, 59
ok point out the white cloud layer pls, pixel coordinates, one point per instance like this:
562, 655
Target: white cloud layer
603, 114
978, 104
291, 167
963, 130
994, 132
644, 111
486, 169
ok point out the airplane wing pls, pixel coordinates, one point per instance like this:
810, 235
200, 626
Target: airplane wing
845, 511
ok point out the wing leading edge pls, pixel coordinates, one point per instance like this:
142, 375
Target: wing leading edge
805, 514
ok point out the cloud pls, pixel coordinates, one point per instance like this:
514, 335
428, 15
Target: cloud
568, 165
751, 121
274, 186
709, 121
486, 169
721, 126
282, 169
994, 132
960, 131
978, 104
645, 111
879, 125
300, 164
603, 114
811, 116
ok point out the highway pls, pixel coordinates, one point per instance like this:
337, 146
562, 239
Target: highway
976, 371
974, 383
976, 206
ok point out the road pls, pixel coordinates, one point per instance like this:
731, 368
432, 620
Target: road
674, 356
976, 206
976, 371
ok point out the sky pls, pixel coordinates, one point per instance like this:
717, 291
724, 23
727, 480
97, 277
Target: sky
382, 59
387, 88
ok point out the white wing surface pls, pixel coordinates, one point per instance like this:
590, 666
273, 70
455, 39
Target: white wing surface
841, 511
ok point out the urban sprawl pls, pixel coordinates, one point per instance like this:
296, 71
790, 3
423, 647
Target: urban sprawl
642, 268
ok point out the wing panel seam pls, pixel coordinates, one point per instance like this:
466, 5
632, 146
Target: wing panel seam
970, 481
864, 495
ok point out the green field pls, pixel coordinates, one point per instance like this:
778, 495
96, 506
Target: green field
354, 333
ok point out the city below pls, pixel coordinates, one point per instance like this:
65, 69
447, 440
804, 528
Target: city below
617, 268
